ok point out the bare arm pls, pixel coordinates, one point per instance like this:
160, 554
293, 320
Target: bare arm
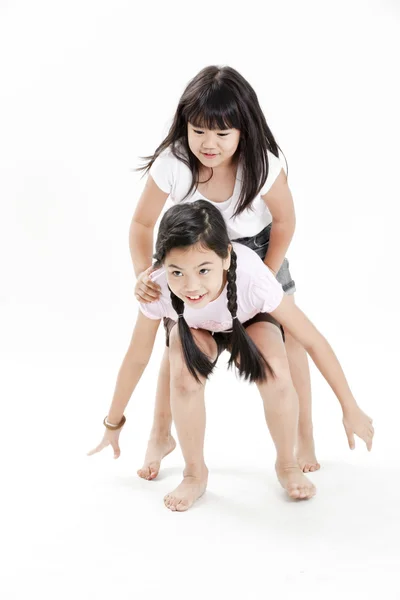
301, 328
280, 204
133, 365
148, 209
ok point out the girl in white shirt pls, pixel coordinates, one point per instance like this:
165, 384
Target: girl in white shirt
220, 148
218, 295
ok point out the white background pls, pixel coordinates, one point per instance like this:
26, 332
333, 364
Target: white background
86, 88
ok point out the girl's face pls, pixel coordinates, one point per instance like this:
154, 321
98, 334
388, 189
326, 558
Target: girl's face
213, 147
196, 275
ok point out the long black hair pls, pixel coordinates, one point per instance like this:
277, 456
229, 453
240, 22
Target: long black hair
220, 98
201, 223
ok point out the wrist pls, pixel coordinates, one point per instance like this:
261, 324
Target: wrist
348, 405
114, 423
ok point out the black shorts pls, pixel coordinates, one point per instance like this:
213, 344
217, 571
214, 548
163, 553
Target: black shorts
223, 338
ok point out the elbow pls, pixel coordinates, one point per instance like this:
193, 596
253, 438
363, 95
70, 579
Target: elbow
287, 225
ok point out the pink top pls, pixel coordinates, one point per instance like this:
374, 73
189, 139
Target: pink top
257, 291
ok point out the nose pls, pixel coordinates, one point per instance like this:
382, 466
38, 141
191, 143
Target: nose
192, 286
209, 141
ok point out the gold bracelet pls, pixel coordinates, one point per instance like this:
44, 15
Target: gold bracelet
114, 427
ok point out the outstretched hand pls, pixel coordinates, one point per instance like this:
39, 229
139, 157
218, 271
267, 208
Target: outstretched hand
356, 422
110, 438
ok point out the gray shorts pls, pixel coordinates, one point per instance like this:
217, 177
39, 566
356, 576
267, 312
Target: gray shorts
259, 243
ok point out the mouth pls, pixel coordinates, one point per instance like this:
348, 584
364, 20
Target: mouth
195, 299
209, 155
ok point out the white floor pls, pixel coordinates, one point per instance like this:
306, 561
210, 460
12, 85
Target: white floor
86, 528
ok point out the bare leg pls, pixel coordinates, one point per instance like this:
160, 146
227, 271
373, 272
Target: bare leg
281, 410
188, 409
161, 443
300, 373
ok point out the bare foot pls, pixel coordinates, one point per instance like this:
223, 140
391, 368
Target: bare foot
157, 449
190, 490
306, 453
295, 482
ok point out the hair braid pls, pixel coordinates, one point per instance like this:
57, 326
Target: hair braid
244, 353
231, 288
196, 361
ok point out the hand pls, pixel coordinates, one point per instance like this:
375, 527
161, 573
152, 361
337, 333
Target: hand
355, 421
145, 289
110, 438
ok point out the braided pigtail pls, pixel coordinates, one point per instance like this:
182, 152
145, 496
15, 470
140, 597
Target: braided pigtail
250, 362
196, 361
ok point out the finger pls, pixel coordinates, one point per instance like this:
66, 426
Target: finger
97, 449
151, 292
369, 445
143, 297
350, 438
143, 289
151, 287
117, 450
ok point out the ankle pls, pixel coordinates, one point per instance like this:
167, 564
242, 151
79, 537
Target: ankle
160, 433
284, 463
198, 470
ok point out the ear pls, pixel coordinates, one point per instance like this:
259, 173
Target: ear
227, 260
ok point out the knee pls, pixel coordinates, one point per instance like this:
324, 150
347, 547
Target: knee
182, 382
281, 383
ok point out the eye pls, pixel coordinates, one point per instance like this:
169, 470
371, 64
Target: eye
176, 273
223, 134
204, 271
198, 131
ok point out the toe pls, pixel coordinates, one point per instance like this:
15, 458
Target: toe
174, 502
302, 493
182, 506
306, 468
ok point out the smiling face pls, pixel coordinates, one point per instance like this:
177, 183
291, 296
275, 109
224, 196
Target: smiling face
197, 275
213, 147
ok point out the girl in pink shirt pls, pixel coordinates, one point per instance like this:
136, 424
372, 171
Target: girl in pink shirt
218, 295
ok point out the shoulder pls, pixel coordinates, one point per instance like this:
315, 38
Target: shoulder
263, 291
167, 169
249, 264
275, 166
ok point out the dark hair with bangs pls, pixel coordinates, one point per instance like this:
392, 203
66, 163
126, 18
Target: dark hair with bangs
220, 98
200, 222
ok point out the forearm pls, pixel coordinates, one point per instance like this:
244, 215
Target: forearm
141, 246
279, 241
133, 365
128, 377
325, 360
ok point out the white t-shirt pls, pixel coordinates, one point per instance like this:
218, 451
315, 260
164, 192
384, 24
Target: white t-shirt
174, 178
257, 291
